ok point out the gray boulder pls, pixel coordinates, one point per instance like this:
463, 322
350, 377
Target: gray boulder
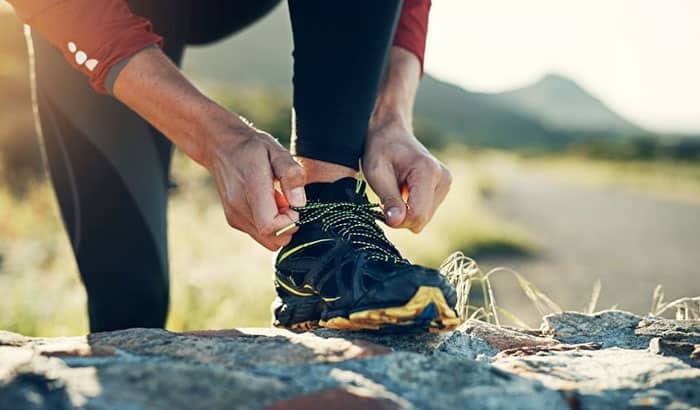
612, 360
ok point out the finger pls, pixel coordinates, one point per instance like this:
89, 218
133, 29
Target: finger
283, 208
260, 197
386, 186
237, 221
292, 177
421, 199
443, 186
238, 217
281, 201
271, 242
274, 243
288, 229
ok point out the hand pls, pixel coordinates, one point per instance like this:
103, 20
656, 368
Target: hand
245, 162
395, 163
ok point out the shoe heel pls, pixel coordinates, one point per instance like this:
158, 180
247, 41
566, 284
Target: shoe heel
296, 313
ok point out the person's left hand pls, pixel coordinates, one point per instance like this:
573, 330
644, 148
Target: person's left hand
397, 165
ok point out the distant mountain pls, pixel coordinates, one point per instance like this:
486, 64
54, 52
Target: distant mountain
561, 104
547, 114
477, 119
258, 56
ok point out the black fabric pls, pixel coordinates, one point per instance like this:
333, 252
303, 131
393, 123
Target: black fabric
340, 50
127, 285
110, 169
110, 173
212, 20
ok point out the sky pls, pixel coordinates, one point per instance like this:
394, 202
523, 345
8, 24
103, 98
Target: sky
641, 57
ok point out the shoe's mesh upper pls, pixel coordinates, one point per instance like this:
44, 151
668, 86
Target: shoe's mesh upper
354, 222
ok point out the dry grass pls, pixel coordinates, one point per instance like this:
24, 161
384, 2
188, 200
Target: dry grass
465, 275
687, 308
469, 279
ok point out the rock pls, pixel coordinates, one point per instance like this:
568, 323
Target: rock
613, 378
236, 348
477, 366
474, 340
688, 352
499, 338
12, 339
436, 381
613, 328
530, 350
677, 330
338, 399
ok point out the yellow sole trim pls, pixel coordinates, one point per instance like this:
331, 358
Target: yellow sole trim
375, 319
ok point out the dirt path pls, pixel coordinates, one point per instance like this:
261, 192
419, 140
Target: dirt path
630, 241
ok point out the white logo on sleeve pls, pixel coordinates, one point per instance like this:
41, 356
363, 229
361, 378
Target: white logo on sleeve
81, 57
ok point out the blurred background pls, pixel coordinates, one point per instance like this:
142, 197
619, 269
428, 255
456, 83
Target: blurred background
572, 130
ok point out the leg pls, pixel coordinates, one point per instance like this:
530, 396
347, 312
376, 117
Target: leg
340, 50
212, 20
110, 175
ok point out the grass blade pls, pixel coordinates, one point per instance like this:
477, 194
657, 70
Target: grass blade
595, 294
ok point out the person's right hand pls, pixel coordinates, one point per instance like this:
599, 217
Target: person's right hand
245, 162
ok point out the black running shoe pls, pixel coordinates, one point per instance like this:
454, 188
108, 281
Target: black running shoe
340, 271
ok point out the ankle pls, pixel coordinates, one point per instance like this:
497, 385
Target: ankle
321, 171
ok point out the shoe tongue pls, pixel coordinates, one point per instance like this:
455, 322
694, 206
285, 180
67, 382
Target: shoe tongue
343, 190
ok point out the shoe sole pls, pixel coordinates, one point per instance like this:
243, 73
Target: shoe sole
427, 309
299, 327
295, 313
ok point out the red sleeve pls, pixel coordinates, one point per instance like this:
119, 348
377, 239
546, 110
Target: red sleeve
413, 27
93, 35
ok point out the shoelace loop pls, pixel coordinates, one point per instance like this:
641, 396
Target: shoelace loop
354, 222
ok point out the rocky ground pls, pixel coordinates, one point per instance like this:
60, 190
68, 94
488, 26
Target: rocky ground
611, 360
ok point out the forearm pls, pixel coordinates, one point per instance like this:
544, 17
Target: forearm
153, 87
398, 90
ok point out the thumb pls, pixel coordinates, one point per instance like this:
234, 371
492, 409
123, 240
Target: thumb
386, 186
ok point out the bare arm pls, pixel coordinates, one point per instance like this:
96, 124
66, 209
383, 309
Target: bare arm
152, 86
397, 92
243, 160
394, 160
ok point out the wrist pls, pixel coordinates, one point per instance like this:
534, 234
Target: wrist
390, 118
394, 106
216, 129
153, 87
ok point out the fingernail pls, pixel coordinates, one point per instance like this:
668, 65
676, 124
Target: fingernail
297, 197
393, 213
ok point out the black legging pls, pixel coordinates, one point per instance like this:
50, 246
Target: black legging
110, 169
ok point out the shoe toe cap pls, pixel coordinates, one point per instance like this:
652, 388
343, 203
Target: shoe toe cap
404, 284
